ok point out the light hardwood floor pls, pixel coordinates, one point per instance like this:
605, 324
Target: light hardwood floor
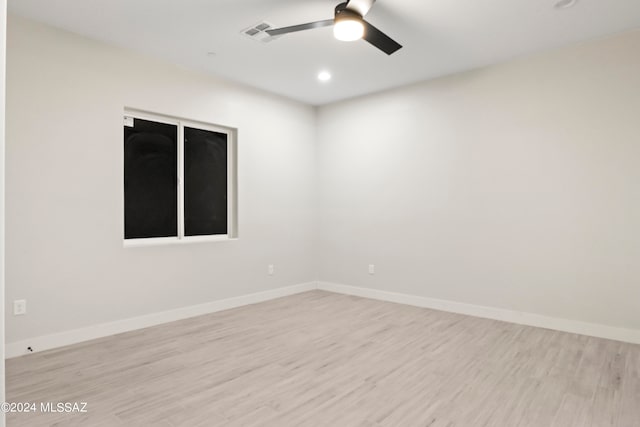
323, 359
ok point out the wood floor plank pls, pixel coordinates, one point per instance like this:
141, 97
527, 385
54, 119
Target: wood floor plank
322, 359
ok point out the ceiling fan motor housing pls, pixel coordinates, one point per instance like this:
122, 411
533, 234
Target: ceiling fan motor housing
341, 12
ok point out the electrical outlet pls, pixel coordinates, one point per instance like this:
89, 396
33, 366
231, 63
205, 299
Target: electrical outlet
372, 269
271, 269
19, 307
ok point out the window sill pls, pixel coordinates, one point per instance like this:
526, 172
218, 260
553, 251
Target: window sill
161, 241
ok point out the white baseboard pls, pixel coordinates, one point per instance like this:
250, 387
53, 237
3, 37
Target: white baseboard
47, 342
523, 318
60, 339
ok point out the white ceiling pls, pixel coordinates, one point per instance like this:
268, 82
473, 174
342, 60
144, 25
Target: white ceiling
439, 37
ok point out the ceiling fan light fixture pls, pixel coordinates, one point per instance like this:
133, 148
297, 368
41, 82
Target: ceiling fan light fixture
348, 30
348, 25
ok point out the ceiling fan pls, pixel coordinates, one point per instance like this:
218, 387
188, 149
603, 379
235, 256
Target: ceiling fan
348, 25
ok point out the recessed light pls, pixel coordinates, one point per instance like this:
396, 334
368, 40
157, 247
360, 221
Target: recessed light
324, 76
565, 4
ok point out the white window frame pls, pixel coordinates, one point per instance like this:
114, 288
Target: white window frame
232, 180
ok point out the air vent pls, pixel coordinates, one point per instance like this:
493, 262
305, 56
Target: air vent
258, 32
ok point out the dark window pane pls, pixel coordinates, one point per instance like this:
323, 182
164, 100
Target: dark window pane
150, 180
205, 182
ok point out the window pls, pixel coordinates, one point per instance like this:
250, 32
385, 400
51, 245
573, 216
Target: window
179, 180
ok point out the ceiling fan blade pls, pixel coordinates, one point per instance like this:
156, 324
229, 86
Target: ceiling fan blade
301, 27
361, 7
379, 39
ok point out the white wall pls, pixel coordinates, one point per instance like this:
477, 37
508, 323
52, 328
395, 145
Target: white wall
515, 186
3, 16
66, 96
